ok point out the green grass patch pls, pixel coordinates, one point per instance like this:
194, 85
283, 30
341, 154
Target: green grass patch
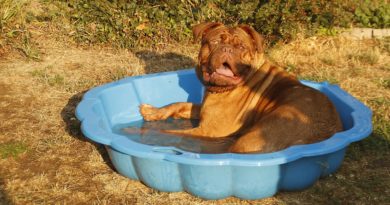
38, 73
12, 149
43, 76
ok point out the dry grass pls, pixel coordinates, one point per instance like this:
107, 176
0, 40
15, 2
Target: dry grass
58, 165
361, 67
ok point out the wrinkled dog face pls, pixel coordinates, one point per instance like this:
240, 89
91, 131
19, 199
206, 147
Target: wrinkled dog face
227, 56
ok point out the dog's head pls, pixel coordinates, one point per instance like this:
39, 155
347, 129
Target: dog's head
228, 55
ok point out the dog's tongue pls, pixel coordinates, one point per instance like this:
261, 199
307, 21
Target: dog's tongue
225, 71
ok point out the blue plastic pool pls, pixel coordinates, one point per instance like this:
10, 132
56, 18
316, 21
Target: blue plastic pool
211, 176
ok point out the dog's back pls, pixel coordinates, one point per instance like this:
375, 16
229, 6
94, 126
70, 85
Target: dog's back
287, 113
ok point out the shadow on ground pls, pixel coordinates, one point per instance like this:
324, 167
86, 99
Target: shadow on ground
160, 62
3, 195
73, 128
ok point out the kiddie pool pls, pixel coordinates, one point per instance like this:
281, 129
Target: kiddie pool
211, 176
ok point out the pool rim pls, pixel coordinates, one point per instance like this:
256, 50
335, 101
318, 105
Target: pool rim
361, 116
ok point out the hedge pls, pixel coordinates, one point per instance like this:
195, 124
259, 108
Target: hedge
131, 24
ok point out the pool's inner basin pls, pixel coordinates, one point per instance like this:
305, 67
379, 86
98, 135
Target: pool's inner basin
124, 119
151, 136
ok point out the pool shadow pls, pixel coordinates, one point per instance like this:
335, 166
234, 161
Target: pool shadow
68, 114
154, 62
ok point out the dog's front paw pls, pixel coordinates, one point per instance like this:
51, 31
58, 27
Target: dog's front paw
150, 113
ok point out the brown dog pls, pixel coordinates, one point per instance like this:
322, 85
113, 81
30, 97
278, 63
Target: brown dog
248, 97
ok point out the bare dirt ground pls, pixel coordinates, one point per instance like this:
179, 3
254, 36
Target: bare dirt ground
44, 158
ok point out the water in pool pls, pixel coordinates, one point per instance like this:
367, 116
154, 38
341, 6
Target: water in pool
151, 136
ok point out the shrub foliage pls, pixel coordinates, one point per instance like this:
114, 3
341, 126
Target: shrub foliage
134, 23
142, 22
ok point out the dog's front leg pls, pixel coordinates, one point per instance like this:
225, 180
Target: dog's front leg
181, 110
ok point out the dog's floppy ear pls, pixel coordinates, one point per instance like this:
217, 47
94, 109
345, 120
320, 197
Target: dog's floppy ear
257, 38
201, 29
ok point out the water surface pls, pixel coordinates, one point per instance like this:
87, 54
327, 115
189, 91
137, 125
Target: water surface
147, 133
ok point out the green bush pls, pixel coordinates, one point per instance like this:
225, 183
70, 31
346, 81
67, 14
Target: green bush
138, 23
13, 28
142, 23
149, 22
288, 18
373, 14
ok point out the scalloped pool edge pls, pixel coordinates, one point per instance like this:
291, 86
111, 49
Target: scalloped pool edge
216, 176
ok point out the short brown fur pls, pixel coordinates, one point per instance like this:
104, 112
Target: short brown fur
249, 98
